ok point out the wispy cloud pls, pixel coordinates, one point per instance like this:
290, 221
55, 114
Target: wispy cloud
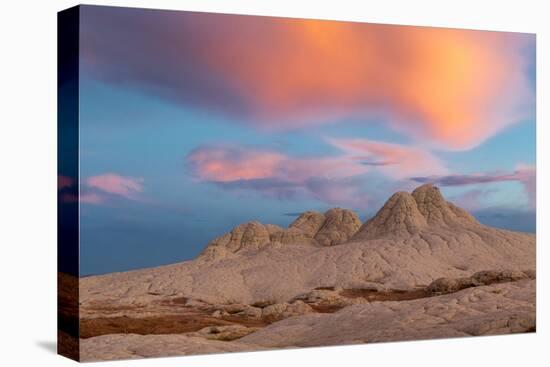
115, 184
525, 174
100, 189
84, 198
329, 179
394, 160
461, 180
226, 164
234, 163
335, 179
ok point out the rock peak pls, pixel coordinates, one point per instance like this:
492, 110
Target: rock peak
431, 203
405, 214
250, 235
399, 216
340, 224
309, 222
427, 188
312, 228
427, 193
437, 210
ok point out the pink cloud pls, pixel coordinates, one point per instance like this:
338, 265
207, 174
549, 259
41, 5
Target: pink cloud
394, 160
277, 174
226, 164
231, 164
527, 175
101, 188
334, 179
84, 198
115, 184
64, 182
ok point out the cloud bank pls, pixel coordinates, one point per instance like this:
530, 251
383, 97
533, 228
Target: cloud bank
274, 173
335, 179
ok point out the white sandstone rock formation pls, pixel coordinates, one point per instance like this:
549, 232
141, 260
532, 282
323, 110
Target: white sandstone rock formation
334, 227
309, 222
465, 278
486, 310
339, 226
283, 310
413, 240
131, 346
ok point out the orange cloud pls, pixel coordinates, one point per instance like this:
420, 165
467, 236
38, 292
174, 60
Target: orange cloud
223, 165
452, 87
448, 88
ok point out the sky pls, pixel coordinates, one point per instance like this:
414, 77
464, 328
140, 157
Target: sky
192, 123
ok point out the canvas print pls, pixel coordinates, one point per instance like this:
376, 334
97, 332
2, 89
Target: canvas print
233, 183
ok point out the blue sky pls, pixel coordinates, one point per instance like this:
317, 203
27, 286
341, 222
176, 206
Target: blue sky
176, 148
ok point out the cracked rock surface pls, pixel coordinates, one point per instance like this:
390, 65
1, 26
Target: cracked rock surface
413, 240
130, 346
487, 310
420, 268
339, 226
